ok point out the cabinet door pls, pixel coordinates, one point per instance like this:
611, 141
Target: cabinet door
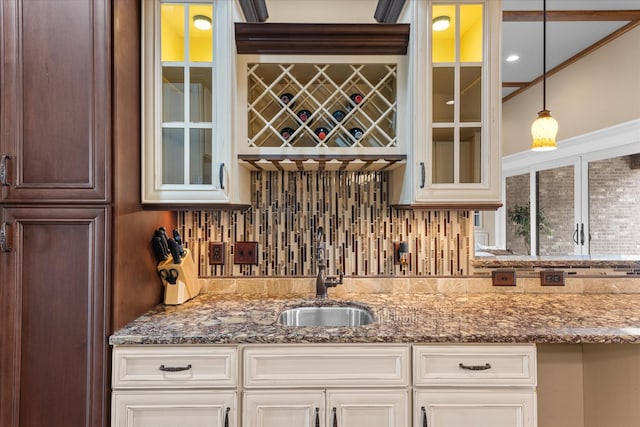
367, 408
54, 102
173, 408
478, 408
277, 408
187, 98
53, 317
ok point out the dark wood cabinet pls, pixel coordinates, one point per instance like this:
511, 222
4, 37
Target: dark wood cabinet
55, 212
53, 299
55, 98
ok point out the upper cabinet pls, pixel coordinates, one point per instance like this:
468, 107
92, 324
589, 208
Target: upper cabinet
188, 72
456, 134
55, 116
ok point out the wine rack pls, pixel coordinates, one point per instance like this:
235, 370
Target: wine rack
327, 109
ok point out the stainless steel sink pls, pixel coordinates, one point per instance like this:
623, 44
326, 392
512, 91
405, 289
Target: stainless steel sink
326, 316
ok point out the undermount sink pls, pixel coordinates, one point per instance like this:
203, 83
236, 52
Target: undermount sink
326, 316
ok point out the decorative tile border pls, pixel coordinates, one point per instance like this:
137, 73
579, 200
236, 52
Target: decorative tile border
359, 225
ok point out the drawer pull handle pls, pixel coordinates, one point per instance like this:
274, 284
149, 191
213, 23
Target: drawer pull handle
174, 368
221, 176
4, 181
424, 416
475, 367
317, 417
423, 175
226, 417
335, 417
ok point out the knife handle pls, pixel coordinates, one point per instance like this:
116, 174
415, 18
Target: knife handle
158, 248
175, 251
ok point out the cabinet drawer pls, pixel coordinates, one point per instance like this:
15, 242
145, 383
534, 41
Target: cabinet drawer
326, 366
174, 366
474, 365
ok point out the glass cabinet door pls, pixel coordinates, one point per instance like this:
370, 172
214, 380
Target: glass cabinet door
187, 67
457, 57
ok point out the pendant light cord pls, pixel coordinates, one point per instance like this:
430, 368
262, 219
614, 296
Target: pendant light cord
544, 54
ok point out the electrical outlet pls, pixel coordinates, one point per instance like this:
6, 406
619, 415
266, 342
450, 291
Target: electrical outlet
504, 277
246, 253
216, 253
552, 278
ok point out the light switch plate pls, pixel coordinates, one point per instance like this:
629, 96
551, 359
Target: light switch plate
245, 253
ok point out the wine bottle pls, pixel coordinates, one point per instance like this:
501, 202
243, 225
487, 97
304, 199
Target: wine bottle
304, 115
321, 133
286, 133
356, 132
339, 115
286, 98
356, 98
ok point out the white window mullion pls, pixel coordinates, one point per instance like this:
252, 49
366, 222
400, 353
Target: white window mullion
533, 212
583, 191
187, 95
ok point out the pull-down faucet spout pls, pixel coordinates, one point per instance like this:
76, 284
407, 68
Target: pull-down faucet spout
322, 281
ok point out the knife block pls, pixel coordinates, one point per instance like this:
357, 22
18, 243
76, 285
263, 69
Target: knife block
187, 286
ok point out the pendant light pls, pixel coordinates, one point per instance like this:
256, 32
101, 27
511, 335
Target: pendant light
545, 128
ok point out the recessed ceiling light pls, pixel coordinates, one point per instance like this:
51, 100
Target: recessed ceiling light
512, 58
202, 22
441, 23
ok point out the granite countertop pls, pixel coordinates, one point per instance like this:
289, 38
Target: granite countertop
400, 318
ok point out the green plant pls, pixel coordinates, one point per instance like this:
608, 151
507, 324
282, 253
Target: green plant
520, 216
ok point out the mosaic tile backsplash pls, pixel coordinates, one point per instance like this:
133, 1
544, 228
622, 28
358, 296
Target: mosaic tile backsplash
360, 228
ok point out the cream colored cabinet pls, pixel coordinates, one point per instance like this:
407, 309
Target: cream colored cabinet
344, 407
326, 385
456, 106
480, 385
188, 99
155, 386
173, 408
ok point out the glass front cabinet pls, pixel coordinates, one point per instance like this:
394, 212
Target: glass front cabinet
188, 98
455, 51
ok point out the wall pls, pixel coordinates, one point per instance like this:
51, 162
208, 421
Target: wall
598, 91
360, 228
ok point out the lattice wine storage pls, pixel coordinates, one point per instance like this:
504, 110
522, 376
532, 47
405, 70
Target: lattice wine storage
328, 106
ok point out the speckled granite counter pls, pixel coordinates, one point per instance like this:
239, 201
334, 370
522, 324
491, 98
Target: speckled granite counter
409, 318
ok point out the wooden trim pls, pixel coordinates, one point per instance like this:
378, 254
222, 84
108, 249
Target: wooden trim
574, 58
570, 15
388, 11
254, 10
322, 39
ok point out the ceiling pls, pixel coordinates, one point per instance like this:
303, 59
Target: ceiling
522, 35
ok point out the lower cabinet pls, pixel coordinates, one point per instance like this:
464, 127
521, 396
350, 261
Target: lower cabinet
174, 408
325, 385
335, 408
478, 408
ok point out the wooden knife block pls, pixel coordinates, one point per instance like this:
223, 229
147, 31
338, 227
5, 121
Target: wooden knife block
187, 286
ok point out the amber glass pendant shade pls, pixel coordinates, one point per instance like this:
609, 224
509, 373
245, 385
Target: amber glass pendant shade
544, 130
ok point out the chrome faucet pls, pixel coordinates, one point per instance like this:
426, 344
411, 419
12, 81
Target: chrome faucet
322, 281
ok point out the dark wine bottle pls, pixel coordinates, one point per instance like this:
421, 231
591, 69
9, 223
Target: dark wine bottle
286, 133
286, 98
321, 133
356, 132
339, 115
304, 115
356, 98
